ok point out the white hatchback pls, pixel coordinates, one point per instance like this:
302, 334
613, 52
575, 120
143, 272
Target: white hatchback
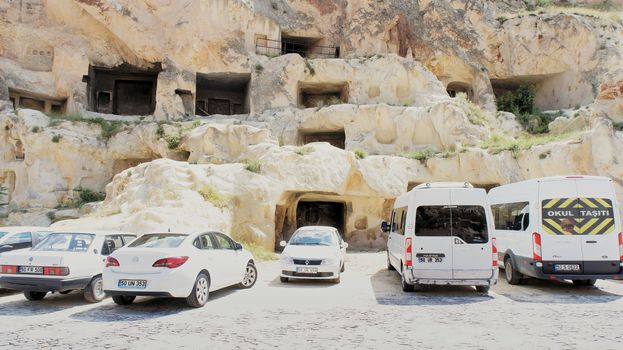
178, 265
313, 252
62, 262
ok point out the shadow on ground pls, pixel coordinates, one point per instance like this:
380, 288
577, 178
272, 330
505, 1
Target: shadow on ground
387, 291
554, 292
51, 303
143, 308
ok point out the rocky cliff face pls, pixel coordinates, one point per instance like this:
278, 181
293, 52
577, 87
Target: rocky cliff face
257, 116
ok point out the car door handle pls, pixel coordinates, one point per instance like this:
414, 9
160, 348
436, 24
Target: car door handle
591, 241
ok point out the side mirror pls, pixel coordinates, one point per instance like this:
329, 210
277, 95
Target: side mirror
283, 243
6, 248
238, 246
385, 226
344, 245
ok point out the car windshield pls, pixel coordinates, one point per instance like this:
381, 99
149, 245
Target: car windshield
160, 240
326, 238
2, 234
66, 242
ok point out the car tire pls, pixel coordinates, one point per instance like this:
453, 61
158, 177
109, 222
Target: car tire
513, 276
482, 289
406, 287
94, 291
390, 267
284, 279
200, 293
250, 277
34, 296
584, 283
343, 267
123, 299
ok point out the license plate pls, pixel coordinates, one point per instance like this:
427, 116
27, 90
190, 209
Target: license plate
138, 284
566, 267
307, 269
430, 260
31, 269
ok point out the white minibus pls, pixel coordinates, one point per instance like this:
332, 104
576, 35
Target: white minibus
562, 227
440, 233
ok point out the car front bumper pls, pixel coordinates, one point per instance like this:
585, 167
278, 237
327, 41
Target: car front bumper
40, 284
323, 271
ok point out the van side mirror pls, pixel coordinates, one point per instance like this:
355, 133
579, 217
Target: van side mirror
283, 243
385, 226
344, 245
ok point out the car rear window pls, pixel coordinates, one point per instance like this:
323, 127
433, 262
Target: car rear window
577, 216
161, 240
468, 222
66, 242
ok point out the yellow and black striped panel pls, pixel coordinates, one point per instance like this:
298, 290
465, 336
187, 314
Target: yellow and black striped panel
578, 216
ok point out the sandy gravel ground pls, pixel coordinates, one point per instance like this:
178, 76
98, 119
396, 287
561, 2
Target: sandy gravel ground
366, 311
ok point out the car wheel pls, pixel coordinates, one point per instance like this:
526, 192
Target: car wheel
512, 276
284, 279
250, 277
406, 287
201, 290
123, 299
582, 283
343, 267
34, 296
482, 289
94, 292
390, 267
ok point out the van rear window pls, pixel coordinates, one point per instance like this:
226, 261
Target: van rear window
577, 216
468, 222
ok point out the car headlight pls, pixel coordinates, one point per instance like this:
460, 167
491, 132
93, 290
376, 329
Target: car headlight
286, 259
330, 261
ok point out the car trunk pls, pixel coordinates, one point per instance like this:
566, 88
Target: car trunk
140, 260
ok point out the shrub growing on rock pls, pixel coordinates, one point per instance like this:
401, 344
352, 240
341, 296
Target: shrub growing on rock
254, 166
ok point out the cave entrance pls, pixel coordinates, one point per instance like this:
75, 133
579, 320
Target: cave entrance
335, 138
43, 103
222, 93
456, 87
122, 90
320, 213
322, 94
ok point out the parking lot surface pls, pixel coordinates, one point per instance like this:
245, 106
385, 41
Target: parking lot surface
367, 310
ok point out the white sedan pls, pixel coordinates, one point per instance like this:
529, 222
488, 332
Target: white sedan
62, 262
314, 252
178, 265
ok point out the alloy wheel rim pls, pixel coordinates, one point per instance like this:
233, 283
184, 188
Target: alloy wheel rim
508, 271
202, 290
99, 289
249, 276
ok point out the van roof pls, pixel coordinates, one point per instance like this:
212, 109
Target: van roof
563, 178
444, 185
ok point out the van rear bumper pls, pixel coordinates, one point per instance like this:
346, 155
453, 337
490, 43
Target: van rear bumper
477, 282
590, 269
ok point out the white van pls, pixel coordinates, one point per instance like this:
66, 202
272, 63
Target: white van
563, 227
440, 233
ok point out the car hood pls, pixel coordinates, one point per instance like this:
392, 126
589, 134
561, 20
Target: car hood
311, 251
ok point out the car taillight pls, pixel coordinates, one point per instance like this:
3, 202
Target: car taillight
494, 255
8, 269
621, 246
536, 247
55, 271
408, 257
171, 262
110, 261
